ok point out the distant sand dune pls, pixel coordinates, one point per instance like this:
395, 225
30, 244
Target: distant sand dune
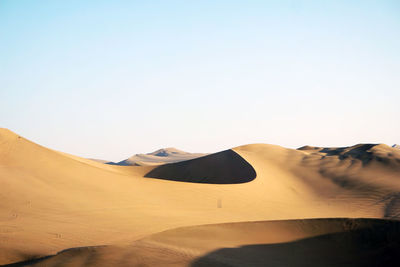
159, 157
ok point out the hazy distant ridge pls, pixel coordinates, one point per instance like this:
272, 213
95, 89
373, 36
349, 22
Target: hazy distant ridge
158, 157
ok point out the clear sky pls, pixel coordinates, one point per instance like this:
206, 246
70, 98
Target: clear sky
108, 79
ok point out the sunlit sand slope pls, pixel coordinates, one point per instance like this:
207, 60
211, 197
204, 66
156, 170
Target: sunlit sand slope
51, 201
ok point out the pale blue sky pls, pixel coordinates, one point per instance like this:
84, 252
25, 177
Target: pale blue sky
108, 79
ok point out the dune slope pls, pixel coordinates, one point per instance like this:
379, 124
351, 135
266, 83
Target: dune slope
312, 242
52, 201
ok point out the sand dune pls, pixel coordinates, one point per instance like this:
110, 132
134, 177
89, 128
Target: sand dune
53, 201
312, 242
161, 156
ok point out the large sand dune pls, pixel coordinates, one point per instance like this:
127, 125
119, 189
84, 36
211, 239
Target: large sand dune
52, 201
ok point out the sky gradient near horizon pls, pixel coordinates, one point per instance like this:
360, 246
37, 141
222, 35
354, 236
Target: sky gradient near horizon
108, 79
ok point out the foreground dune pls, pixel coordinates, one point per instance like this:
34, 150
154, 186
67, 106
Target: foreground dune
311, 242
52, 201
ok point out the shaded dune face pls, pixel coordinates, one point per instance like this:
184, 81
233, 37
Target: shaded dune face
374, 245
298, 243
226, 167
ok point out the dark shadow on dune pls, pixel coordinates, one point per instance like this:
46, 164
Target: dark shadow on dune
27, 262
226, 167
375, 246
64, 254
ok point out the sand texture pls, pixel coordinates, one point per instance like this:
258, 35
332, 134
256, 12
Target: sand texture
253, 205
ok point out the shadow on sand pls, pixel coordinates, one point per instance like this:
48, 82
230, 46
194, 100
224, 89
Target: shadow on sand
226, 167
363, 243
368, 247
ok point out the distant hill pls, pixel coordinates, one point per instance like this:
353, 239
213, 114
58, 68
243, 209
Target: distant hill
158, 157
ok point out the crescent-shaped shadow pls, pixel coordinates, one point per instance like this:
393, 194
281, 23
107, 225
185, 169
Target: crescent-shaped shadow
226, 167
